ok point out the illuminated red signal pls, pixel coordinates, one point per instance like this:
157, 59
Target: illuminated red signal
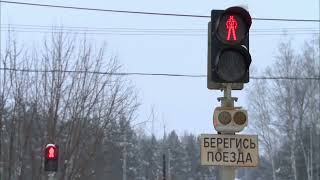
51, 152
232, 26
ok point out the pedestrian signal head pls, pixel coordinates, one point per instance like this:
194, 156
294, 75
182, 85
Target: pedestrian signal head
228, 48
51, 157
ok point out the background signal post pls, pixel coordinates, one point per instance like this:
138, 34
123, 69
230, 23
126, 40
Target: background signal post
228, 69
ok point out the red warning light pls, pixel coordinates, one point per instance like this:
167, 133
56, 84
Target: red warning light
232, 26
51, 152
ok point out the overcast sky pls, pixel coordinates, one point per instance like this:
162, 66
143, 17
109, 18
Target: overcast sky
184, 104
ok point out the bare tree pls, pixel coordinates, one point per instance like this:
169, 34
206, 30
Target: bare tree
56, 94
283, 98
263, 121
307, 102
290, 108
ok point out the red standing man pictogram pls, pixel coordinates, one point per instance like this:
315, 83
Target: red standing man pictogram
232, 25
51, 152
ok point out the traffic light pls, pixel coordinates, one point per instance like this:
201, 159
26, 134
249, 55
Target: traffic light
51, 157
230, 120
228, 48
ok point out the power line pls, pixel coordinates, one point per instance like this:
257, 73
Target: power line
133, 29
151, 34
29, 26
142, 31
149, 74
99, 72
104, 10
286, 78
147, 13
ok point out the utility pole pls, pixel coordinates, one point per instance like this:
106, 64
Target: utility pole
169, 172
164, 166
164, 155
125, 152
124, 165
2, 163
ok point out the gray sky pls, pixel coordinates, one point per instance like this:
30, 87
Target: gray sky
184, 104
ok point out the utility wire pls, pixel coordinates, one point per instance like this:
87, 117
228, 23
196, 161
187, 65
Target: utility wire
143, 31
149, 74
147, 13
151, 34
99, 72
151, 29
131, 29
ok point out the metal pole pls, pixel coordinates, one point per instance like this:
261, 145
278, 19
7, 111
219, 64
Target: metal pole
225, 172
124, 165
164, 167
125, 153
1, 112
169, 173
2, 163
